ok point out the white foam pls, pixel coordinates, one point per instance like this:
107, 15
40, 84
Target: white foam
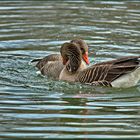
38, 72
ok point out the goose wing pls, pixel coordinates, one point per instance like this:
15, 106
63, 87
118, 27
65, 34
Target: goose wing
41, 62
106, 72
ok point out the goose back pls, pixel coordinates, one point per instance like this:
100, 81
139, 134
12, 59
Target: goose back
50, 66
106, 72
41, 62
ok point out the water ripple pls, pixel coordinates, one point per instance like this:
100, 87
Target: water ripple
33, 106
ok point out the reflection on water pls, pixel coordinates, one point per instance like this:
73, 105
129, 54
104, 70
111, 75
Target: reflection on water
33, 106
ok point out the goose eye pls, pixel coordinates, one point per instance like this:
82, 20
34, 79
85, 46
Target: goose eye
82, 50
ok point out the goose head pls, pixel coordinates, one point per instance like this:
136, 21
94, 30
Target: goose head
72, 57
83, 47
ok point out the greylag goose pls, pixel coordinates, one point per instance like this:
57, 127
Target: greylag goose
52, 65
122, 72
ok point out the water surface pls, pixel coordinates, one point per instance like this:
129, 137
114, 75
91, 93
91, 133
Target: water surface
33, 106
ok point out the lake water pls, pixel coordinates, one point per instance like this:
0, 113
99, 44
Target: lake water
33, 106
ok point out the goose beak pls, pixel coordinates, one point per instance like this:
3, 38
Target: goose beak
64, 61
85, 58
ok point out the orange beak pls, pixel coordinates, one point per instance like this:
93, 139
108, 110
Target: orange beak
85, 58
64, 61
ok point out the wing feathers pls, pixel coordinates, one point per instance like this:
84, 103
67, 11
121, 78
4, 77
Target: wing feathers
104, 73
45, 60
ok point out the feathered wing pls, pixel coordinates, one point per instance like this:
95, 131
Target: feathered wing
106, 72
43, 61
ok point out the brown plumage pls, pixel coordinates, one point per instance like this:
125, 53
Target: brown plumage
52, 65
111, 73
72, 56
106, 72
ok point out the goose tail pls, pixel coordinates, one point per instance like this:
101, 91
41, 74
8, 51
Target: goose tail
127, 80
34, 61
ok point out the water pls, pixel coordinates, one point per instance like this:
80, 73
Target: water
32, 106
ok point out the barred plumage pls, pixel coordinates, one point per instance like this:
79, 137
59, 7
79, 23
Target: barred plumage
100, 83
106, 72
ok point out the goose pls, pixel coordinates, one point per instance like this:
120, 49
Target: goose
52, 65
119, 73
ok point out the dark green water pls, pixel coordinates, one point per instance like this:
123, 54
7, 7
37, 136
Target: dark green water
32, 106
